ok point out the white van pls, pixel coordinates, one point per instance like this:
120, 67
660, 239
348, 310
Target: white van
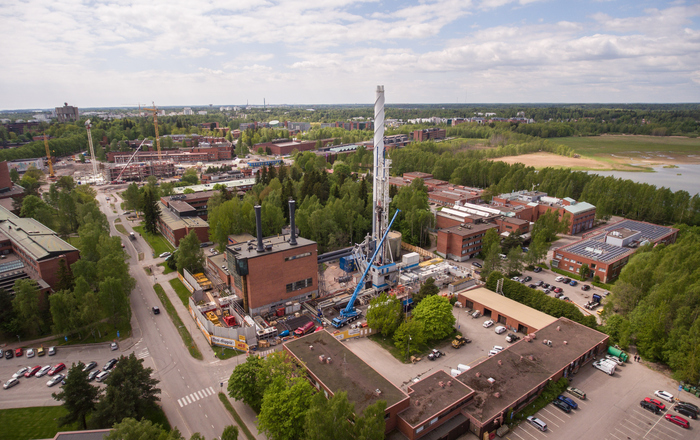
503, 256
102, 376
537, 423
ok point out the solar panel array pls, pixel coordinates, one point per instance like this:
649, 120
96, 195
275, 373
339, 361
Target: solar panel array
11, 265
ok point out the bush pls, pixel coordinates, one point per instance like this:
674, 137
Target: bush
550, 392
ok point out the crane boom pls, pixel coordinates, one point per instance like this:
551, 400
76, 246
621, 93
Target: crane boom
349, 313
130, 159
155, 124
48, 157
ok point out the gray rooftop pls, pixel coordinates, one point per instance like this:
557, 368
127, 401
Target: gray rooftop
279, 243
175, 222
34, 238
229, 184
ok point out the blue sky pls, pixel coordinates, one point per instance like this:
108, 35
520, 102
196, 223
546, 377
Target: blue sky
192, 52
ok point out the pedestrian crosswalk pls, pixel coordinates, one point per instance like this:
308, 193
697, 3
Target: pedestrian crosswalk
143, 354
197, 395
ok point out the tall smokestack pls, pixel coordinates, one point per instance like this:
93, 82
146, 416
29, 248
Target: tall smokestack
258, 228
293, 237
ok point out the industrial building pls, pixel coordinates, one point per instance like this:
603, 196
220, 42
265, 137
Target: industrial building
440, 406
177, 220
204, 152
31, 250
67, 113
429, 134
607, 252
460, 243
269, 272
139, 171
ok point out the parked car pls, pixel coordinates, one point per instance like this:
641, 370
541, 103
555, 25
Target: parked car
54, 380
658, 403
532, 286
156, 310
497, 348
614, 359
585, 287
547, 291
42, 372
680, 421
493, 352
110, 364
558, 294
93, 374
20, 372
31, 353
477, 264
576, 392
512, 337
19, 352
10, 383
568, 401
565, 298
573, 283
9, 354
56, 368
649, 407
113, 346
665, 395
561, 405
52, 351
685, 411
164, 255
90, 366
558, 290
500, 329
435, 354
558, 279
32, 371
40, 351
546, 285
527, 278
488, 323
102, 376
537, 423
689, 406
537, 269
516, 279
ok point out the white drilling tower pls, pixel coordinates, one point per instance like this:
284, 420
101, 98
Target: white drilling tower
96, 178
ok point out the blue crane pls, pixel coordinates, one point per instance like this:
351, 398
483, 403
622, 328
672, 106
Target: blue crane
350, 313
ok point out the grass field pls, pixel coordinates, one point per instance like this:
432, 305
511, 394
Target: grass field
631, 145
166, 268
157, 242
182, 330
181, 290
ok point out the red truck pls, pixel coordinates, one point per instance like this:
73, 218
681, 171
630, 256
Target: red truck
306, 328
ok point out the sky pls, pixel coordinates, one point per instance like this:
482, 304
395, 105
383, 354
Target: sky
115, 53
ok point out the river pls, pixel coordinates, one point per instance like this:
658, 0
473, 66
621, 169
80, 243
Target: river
685, 177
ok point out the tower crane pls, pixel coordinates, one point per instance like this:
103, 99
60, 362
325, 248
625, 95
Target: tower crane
155, 123
52, 176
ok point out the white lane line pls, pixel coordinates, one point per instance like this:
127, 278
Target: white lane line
513, 432
547, 419
180, 402
618, 438
525, 431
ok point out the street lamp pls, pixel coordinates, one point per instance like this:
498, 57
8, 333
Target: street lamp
18, 340
408, 347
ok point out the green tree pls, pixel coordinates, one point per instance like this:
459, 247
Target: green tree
190, 177
514, 262
230, 432
492, 261
130, 429
371, 425
548, 226
6, 312
26, 307
151, 211
410, 337
78, 396
384, 314
584, 271
243, 384
329, 418
130, 392
284, 407
190, 255
133, 199
427, 289
14, 175
114, 299
435, 312
65, 277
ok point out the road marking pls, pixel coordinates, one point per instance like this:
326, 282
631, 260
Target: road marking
516, 434
188, 399
212, 390
180, 402
201, 394
618, 438
526, 432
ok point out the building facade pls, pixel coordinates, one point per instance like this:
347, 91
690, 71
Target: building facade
67, 113
461, 243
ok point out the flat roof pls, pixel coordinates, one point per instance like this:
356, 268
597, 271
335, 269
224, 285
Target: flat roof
33, 237
237, 183
432, 395
470, 229
492, 300
579, 207
523, 366
279, 243
346, 372
175, 222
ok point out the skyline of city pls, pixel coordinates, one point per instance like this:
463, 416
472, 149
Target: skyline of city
127, 52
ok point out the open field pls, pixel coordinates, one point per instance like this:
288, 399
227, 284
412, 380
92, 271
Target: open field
551, 160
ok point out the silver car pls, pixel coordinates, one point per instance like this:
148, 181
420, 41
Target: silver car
54, 380
43, 371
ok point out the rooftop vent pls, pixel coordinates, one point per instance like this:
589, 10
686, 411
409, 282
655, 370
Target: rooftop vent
491, 380
441, 384
311, 347
237, 248
499, 362
378, 392
532, 358
566, 342
322, 358
478, 374
558, 328
497, 395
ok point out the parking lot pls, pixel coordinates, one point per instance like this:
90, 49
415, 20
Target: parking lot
33, 391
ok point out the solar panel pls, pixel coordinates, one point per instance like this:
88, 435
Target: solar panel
11, 265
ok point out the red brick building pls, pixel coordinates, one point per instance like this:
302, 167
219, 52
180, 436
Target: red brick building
282, 272
429, 134
31, 250
175, 227
607, 252
461, 243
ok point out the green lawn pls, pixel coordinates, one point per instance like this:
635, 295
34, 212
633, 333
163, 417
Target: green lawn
182, 330
31, 423
73, 241
157, 242
181, 290
166, 268
606, 145
121, 229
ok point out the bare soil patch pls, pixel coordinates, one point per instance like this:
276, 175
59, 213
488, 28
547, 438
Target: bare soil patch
544, 160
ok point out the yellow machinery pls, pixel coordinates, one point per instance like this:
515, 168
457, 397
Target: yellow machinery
155, 123
52, 176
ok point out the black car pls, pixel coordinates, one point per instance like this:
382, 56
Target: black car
527, 278
537, 269
90, 366
540, 283
9, 354
649, 406
558, 294
685, 411
475, 264
566, 280
532, 286
690, 406
156, 310
585, 287
546, 285
561, 405
110, 364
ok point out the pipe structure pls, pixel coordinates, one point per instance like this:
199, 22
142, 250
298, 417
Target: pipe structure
380, 187
293, 237
258, 228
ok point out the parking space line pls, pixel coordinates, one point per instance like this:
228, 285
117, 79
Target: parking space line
552, 414
525, 431
618, 438
548, 420
513, 432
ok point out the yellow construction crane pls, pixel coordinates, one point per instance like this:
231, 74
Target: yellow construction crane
52, 176
155, 123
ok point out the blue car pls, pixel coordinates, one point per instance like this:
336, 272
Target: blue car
573, 283
284, 333
568, 401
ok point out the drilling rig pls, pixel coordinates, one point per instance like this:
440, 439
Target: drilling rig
52, 176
